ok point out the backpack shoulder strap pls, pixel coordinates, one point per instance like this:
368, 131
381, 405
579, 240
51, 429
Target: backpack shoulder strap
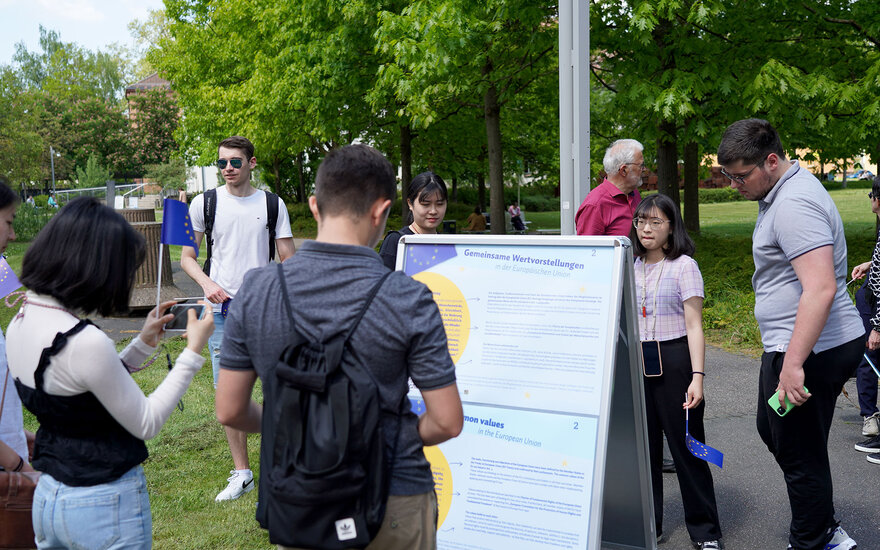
272, 220
210, 212
369, 300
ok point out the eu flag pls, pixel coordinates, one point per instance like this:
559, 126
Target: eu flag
701, 450
8, 281
176, 225
421, 256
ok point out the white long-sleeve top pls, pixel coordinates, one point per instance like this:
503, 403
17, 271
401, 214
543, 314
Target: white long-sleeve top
89, 363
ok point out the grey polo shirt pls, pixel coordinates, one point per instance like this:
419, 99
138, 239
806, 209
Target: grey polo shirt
795, 217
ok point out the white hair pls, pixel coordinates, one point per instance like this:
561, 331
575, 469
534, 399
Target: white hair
622, 151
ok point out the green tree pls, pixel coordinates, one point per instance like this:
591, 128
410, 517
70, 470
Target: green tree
153, 117
94, 174
22, 148
170, 174
479, 55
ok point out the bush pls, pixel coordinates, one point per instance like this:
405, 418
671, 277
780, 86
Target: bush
721, 194
29, 220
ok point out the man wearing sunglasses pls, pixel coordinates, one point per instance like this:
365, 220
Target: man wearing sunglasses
237, 218
609, 208
812, 335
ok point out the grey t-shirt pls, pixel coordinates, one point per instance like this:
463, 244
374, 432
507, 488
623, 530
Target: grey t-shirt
795, 217
400, 336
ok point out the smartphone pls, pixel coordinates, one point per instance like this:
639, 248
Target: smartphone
776, 406
180, 316
652, 364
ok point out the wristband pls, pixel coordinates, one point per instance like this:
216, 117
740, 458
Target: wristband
698, 372
20, 465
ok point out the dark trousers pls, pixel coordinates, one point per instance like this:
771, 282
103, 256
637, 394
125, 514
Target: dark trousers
799, 440
866, 379
664, 396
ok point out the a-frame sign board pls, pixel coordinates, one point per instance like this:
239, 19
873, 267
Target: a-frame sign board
543, 333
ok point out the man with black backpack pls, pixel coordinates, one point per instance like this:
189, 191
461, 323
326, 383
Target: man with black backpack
334, 338
242, 227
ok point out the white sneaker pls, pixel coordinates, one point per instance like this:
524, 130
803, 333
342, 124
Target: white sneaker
240, 482
871, 425
840, 541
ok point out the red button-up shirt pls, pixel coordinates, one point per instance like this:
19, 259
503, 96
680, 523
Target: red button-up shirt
607, 211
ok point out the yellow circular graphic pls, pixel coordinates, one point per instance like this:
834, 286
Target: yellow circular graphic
442, 481
453, 309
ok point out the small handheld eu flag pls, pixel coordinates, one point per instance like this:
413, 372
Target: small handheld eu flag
8, 281
701, 450
176, 225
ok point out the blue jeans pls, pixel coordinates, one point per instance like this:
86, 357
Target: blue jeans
214, 345
113, 515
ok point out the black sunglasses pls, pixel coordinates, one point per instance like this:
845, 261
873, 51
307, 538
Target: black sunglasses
236, 163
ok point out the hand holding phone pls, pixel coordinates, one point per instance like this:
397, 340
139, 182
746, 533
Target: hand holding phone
778, 407
180, 313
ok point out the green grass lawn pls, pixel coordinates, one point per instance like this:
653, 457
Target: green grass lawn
189, 460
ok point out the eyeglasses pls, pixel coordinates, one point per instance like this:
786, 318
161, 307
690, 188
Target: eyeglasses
871, 195
641, 166
656, 223
236, 163
741, 180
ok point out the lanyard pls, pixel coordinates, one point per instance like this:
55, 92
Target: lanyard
654, 300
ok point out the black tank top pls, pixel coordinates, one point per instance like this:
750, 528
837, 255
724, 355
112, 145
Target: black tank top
78, 443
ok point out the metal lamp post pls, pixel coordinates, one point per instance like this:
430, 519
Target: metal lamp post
52, 163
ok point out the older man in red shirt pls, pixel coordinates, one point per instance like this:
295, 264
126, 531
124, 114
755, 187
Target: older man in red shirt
608, 209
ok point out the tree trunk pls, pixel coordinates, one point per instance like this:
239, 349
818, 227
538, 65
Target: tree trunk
454, 193
405, 170
300, 178
276, 170
492, 115
667, 162
692, 187
481, 190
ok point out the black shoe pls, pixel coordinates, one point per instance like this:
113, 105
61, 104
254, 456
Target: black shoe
871, 445
669, 466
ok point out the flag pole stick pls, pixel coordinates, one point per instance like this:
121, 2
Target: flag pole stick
159, 279
873, 366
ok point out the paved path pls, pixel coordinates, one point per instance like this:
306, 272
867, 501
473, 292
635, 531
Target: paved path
752, 500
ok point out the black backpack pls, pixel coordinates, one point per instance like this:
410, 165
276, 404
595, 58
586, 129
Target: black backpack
324, 474
210, 212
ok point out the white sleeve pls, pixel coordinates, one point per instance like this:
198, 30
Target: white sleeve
96, 366
282, 226
197, 213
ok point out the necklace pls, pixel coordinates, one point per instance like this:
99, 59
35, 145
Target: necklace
22, 297
654, 300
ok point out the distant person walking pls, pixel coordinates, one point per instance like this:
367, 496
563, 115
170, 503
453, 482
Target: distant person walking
181, 195
609, 208
812, 335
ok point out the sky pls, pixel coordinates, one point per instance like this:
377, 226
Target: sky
92, 24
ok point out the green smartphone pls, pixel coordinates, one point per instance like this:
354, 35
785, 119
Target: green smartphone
780, 410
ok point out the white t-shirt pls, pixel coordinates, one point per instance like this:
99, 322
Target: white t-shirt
241, 240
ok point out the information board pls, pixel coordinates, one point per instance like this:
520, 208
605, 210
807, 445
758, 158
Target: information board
539, 330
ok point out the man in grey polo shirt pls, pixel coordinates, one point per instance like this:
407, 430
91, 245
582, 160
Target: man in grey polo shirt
811, 332
400, 337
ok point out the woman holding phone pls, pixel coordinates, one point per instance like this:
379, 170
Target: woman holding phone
427, 206
669, 291
93, 416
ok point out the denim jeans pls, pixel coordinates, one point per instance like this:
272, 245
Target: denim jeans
214, 344
113, 515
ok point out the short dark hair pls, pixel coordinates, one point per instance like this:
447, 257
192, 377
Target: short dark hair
679, 242
86, 257
7, 196
749, 141
875, 187
351, 178
426, 183
239, 142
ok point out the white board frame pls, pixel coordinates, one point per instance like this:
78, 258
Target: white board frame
623, 517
